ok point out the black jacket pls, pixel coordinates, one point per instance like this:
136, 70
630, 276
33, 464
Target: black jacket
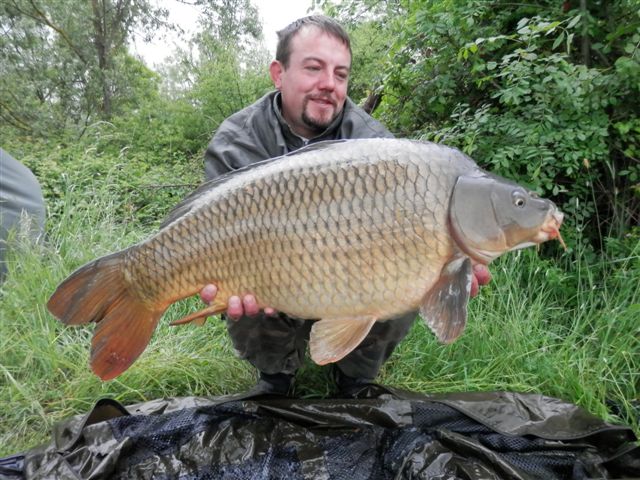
259, 132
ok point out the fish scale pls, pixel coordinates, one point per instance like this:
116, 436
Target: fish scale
349, 233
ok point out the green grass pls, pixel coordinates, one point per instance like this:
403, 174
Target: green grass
566, 328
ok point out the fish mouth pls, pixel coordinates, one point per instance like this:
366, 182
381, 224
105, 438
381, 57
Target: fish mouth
550, 229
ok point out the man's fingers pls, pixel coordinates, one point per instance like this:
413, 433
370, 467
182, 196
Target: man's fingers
234, 308
482, 274
208, 293
250, 305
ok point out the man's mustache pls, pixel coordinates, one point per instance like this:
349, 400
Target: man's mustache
325, 98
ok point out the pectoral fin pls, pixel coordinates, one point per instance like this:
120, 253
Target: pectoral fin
333, 338
444, 307
200, 316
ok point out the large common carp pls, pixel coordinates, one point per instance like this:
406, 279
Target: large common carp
349, 233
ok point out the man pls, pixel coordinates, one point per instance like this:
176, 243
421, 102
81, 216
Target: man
310, 104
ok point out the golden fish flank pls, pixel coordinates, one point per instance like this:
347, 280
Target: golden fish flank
349, 233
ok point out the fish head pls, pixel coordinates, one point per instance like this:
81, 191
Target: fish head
490, 215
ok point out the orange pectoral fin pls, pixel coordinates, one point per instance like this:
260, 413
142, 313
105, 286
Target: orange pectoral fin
334, 338
200, 316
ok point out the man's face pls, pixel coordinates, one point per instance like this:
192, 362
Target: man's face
314, 85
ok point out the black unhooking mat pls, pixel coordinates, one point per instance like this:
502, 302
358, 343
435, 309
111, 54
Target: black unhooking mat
394, 436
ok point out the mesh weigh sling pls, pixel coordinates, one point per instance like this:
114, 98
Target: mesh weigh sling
394, 436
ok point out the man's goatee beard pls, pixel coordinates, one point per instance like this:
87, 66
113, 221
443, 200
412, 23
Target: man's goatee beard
317, 126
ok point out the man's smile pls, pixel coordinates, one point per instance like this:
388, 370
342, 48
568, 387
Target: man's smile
323, 102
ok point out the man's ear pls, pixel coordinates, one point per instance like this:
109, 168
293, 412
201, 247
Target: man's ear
275, 70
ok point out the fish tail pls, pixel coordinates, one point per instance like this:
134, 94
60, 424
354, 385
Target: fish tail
98, 292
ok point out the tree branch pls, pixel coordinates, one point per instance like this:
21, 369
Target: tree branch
42, 17
584, 42
12, 118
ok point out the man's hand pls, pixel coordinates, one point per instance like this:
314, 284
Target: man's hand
236, 307
481, 276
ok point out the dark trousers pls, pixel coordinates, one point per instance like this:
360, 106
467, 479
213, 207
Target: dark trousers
278, 344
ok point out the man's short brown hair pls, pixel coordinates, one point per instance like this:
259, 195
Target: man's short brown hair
326, 24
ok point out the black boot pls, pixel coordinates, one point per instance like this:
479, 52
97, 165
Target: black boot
280, 384
350, 387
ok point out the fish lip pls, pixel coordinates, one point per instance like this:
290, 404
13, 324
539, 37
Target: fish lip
550, 228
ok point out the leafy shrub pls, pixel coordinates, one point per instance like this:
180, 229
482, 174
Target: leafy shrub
517, 92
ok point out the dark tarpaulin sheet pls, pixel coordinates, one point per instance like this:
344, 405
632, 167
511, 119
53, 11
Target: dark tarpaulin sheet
395, 435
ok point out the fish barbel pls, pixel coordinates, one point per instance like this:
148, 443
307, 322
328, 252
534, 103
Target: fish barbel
347, 233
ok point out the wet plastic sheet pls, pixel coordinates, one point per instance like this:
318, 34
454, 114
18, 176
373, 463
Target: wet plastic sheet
395, 436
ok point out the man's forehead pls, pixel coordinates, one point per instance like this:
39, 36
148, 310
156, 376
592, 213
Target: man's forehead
309, 38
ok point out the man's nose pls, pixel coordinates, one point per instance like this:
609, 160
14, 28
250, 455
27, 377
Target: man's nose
327, 81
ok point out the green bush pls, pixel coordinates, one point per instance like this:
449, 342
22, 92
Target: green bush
515, 91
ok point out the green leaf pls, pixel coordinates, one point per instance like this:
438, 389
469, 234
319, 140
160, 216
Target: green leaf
574, 21
523, 21
558, 41
569, 41
550, 28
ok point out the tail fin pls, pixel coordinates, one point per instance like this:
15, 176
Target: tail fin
97, 292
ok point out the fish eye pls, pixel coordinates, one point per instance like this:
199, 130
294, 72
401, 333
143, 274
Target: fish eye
519, 199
